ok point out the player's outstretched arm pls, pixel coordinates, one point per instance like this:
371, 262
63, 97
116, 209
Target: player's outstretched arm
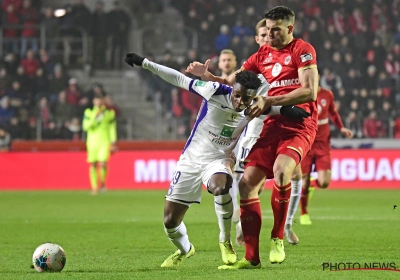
167, 74
201, 70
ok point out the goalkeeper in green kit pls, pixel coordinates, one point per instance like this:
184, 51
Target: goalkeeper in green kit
101, 135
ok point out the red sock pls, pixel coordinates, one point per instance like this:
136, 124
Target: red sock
304, 201
250, 217
280, 202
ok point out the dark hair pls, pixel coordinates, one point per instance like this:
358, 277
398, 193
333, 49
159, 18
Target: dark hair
280, 13
248, 79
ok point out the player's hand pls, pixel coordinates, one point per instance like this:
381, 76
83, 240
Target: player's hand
113, 148
294, 112
260, 104
134, 59
198, 69
346, 132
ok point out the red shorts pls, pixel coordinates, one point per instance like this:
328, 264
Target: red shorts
319, 155
278, 141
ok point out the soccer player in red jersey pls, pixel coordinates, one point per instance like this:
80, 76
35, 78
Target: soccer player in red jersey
290, 66
320, 153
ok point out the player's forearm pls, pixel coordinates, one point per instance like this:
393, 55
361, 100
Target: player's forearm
168, 74
88, 123
335, 117
210, 77
297, 96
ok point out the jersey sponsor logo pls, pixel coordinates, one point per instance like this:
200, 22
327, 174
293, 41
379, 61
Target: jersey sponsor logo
224, 107
225, 138
287, 59
323, 102
276, 70
200, 83
268, 59
306, 57
284, 83
227, 131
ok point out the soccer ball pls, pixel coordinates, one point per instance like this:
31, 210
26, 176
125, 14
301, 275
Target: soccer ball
49, 257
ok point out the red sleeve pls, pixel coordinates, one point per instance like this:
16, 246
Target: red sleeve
333, 113
251, 64
304, 55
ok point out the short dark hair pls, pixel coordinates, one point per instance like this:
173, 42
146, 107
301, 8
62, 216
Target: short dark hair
248, 79
280, 13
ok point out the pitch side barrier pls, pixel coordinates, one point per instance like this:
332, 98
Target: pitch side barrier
150, 165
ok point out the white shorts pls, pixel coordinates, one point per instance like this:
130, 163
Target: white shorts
186, 185
245, 146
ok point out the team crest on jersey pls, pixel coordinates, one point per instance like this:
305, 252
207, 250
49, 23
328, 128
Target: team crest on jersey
306, 57
287, 59
268, 59
323, 102
276, 70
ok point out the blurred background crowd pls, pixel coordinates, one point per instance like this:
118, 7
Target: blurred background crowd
357, 44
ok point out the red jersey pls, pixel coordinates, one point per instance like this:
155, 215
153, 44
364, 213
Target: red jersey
326, 108
280, 68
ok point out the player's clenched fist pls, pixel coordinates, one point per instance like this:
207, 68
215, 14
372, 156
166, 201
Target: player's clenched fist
134, 59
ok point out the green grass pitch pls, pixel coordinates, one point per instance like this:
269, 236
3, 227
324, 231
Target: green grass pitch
120, 235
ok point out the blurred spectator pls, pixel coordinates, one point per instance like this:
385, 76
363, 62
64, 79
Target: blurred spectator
99, 29
17, 98
353, 122
223, 38
43, 113
50, 131
81, 15
10, 34
119, 24
30, 33
4, 81
396, 128
373, 127
16, 3
73, 92
5, 140
72, 130
30, 63
6, 112
16, 130
58, 82
387, 115
25, 82
330, 80
11, 63
46, 63
51, 27
67, 33
41, 84
62, 110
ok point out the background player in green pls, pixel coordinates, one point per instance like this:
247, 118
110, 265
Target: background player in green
100, 126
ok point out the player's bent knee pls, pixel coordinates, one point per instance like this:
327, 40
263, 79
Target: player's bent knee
170, 221
219, 190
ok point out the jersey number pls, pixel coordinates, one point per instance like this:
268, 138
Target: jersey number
175, 180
